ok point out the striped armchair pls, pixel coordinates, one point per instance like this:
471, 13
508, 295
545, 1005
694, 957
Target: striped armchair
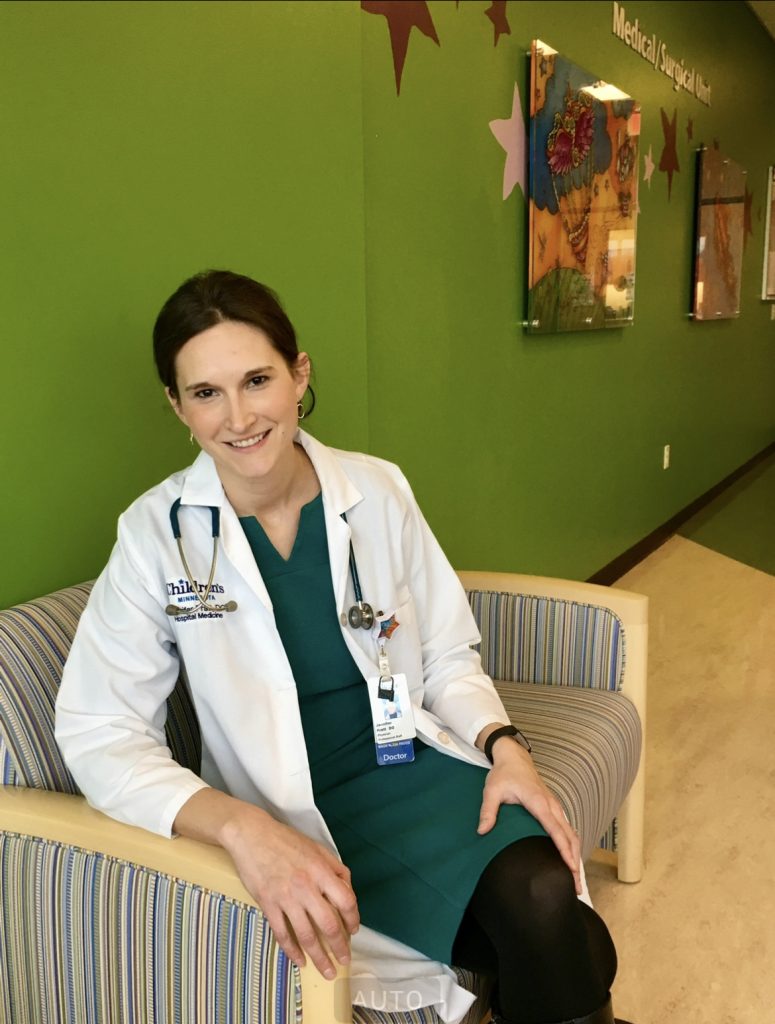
103, 923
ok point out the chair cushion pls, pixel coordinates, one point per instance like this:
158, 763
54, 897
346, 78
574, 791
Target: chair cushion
35, 639
586, 746
544, 640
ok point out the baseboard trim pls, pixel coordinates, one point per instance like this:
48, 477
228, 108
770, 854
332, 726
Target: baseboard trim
629, 559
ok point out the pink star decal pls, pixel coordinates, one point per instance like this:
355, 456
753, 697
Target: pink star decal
496, 12
510, 133
388, 627
402, 16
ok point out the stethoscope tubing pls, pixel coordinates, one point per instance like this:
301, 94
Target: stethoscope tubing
360, 615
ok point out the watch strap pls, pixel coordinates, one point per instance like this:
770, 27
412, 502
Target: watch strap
505, 730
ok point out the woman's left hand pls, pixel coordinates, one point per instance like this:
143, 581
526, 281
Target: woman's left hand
513, 779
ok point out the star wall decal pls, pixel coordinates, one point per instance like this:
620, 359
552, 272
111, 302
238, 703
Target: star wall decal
690, 129
668, 161
496, 12
648, 160
402, 16
747, 216
510, 133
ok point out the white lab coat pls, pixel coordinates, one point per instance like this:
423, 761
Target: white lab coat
128, 651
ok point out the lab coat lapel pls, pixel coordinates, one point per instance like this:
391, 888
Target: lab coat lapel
237, 549
339, 495
202, 486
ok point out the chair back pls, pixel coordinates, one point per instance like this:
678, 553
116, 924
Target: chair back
35, 639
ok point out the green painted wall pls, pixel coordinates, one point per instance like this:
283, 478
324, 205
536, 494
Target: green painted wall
146, 140
544, 453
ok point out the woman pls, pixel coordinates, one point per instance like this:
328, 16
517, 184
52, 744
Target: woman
388, 838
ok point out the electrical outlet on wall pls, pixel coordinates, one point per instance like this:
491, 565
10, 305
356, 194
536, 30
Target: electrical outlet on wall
666, 457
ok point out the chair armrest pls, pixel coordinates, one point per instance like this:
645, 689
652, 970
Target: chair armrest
68, 819
632, 611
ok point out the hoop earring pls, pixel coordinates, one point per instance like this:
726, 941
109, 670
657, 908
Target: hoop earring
300, 411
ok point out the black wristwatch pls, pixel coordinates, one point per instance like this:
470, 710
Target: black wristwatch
505, 730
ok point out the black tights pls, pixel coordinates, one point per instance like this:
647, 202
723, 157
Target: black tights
551, 954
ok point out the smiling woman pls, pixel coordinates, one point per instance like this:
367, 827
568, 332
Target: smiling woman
246, 420
304, 708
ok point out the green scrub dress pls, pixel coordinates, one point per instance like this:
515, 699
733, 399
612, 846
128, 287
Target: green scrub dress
407, 832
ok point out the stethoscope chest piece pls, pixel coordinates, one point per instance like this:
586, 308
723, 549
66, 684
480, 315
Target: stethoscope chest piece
361, 615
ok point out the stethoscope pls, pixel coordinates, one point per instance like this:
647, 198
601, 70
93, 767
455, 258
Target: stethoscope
360, 615
174, 609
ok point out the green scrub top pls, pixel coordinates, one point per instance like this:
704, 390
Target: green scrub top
407, 832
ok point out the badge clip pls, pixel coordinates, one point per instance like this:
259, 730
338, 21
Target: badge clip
385, 688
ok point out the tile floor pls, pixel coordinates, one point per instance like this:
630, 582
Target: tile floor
696, 937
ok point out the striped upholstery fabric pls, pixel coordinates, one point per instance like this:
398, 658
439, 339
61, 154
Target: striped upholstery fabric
427, 1015
34, 640
8, 776
140, 947
586, 746
541, 640
89, 939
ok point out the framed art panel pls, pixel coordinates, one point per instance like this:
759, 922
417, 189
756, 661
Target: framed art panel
768, 275
583, 200
719, 247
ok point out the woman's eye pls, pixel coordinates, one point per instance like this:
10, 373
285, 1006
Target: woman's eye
204, 393
258, 380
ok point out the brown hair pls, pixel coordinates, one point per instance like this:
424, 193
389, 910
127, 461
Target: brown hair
210, 298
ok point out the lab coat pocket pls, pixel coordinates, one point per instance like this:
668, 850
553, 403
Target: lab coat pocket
403, 645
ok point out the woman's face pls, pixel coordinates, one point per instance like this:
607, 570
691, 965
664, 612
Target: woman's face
238, 397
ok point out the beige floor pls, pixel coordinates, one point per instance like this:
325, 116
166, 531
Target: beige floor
696, 937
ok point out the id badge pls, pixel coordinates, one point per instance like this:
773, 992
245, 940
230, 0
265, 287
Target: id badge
401, 752
391, 709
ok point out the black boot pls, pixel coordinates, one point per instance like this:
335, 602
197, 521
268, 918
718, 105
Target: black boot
605, 1015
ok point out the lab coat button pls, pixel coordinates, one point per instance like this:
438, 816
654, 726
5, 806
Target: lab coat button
343, 619
443, 737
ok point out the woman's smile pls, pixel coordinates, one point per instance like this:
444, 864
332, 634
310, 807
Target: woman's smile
249, 442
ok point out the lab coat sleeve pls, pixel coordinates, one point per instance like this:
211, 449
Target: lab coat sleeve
111, 706
457, 691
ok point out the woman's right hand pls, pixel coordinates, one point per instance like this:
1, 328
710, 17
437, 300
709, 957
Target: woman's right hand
303, 890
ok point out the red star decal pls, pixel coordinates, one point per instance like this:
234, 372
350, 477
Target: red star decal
669, 160
496, 12
747, 216
402, 16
